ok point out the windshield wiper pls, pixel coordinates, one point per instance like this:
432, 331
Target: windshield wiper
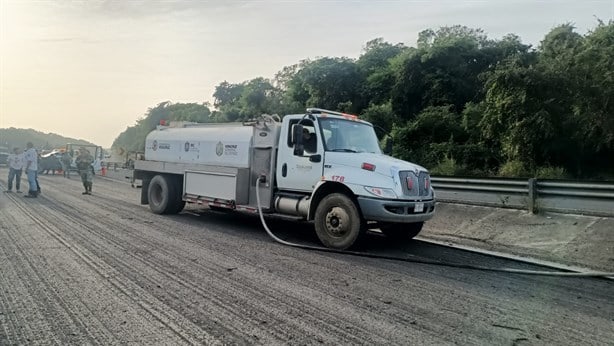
344, 150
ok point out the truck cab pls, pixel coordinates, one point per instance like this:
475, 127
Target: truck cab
321, 166
343, 157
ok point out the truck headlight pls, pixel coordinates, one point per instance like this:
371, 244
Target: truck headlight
381, 192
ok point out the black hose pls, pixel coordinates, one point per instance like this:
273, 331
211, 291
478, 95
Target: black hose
415, 259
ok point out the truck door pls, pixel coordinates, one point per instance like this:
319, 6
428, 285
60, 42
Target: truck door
300, 173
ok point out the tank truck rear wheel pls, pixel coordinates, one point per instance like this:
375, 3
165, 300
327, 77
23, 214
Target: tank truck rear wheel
338, 223
401, 231
162, 195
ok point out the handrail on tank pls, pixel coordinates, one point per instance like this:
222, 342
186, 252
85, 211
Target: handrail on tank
264, 117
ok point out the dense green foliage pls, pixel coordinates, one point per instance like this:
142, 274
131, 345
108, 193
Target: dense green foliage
133, 138
13, 137
457, 103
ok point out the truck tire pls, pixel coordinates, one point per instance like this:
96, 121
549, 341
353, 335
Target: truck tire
401, 231
162, 195
338, 223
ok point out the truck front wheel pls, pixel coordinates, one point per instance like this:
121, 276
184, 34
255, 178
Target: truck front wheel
401, 231
162, 193
337, 221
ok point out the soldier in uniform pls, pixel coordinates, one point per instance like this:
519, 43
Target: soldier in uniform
84, 165
66, 161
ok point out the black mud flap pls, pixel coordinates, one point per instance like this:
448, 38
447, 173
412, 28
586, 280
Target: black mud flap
144, 191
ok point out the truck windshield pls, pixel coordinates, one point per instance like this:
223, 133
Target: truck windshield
348, 136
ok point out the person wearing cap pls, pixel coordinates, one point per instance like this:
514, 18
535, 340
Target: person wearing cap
31, 158
84, 165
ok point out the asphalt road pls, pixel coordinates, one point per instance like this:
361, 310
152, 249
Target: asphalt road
102, 269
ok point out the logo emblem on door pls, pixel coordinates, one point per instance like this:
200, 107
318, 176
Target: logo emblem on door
219, 149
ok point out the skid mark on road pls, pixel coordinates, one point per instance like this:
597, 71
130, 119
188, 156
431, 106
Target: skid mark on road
157, 310
247, 303
220, 279
55, 319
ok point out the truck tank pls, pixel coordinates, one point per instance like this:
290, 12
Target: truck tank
219, 145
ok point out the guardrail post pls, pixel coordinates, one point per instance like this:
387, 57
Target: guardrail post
532, 195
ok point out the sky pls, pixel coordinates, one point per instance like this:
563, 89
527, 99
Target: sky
89, 69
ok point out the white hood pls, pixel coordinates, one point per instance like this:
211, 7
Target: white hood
384, 164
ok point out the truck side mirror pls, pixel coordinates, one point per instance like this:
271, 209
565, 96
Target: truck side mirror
297, 134
297, 139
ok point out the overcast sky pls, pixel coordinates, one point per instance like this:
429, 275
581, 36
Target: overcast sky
89, 69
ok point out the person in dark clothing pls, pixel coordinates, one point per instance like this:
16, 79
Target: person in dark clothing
31, 159
309, 141
84, 165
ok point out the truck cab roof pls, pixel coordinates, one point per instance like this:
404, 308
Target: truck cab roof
324, 113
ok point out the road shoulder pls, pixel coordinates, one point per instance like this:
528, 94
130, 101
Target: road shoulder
575, 240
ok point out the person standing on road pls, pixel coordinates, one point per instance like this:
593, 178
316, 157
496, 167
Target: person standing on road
66, 161
16, 163
31, 158
38, 163
84, 165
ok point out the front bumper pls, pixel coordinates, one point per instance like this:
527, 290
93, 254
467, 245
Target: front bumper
396, 211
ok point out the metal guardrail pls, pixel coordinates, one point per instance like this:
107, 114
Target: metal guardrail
566, 196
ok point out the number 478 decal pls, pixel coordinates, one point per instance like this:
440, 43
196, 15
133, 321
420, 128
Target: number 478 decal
338, 178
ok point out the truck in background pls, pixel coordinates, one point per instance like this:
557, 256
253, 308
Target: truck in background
321, 166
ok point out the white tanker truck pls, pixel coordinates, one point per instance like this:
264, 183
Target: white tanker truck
321, 166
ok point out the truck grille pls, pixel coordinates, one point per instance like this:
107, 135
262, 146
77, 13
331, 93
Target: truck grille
415, 185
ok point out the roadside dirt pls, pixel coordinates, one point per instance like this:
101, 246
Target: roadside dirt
102, 269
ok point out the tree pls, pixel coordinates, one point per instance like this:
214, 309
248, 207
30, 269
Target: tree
594, 77
443, 71
446, 35
227, 94
249, 99
257, 97
17, 138
429, 137
133, 138
193, 112
458, 102
327, 83
553, 107
375, 65
526, 110
381, 116
560, 46
377, 54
